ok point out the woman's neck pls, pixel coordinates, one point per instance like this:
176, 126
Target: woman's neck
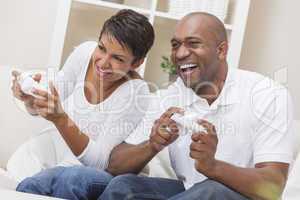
97, 90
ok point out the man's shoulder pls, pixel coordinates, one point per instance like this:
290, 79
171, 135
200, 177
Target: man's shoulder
262, 90
256, 82
248, 77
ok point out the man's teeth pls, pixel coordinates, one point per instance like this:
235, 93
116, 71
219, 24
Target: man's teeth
187, 66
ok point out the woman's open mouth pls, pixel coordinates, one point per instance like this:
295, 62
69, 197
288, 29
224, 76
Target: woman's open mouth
102, 72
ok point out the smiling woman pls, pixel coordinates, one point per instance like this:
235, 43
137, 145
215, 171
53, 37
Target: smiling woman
94, 104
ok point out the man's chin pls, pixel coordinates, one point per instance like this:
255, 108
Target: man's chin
192, 83
187, 83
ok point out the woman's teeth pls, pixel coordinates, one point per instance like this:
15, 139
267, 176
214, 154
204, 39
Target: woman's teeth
104, 71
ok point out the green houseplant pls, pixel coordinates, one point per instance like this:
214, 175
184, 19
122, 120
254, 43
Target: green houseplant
168, 67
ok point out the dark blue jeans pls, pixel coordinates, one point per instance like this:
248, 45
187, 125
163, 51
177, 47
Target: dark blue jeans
134, 187
76, 182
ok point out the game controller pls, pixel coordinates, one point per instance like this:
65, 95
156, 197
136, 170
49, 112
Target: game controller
188, 121
27, 84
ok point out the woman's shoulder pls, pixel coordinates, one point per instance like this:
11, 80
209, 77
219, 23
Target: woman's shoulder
137, 86
132, 87
86, 46
133, 75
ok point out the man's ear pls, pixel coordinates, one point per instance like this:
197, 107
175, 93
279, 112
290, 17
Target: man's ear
137, 63
223, 50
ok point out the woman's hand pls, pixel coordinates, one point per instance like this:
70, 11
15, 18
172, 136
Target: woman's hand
16, 88
48, 105
19, 94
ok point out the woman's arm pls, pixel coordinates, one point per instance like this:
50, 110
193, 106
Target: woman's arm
75, 139
49, 107
95, 153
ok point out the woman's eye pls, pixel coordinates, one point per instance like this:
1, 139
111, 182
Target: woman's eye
101, 47
119, 59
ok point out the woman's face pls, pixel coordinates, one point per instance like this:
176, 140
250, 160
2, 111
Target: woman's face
111, 61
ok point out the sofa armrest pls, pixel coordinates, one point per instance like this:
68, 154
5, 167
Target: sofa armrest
6, 181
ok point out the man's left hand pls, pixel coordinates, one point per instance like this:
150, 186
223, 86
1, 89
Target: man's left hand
203, 149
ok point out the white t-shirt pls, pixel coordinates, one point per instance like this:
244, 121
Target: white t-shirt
253, 118
108, 123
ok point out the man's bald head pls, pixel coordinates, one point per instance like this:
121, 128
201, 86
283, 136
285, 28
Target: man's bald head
210, 22
200, 40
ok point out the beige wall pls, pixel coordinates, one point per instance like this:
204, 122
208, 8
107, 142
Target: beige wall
26, 31
272, 42
26, 28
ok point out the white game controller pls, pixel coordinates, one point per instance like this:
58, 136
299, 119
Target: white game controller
27, 84
188, 121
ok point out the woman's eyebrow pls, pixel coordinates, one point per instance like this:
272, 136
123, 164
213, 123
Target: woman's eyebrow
119, 55
115, 54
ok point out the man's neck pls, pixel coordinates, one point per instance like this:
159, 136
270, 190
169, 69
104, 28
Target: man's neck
212, 91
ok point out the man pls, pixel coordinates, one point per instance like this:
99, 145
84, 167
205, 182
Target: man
246, 148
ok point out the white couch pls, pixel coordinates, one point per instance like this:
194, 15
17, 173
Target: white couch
16, 125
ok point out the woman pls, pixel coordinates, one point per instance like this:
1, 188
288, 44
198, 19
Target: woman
99, 91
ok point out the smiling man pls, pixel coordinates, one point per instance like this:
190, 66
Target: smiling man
247, 147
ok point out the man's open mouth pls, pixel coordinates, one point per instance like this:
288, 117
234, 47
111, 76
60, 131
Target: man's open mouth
187, 68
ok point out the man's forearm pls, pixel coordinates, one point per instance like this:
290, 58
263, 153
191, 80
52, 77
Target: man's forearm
256, 183
126, 158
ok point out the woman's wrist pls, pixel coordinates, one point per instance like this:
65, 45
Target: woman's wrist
29, 108
62, 119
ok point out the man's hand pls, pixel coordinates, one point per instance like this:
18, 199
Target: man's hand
164, 131
203, 149
49, 105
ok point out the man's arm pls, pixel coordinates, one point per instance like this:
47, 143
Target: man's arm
266, 181
127, 158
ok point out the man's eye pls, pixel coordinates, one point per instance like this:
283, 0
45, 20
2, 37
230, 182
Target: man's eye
194, 44
174, 45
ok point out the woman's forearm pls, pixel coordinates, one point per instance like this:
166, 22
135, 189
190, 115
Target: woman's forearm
76, 140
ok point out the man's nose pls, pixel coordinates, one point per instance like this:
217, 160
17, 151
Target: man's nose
182, 52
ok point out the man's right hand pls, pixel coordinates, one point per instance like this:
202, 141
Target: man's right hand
165, 130
16, 88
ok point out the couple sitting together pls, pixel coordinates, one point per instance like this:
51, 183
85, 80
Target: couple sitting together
102, 109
